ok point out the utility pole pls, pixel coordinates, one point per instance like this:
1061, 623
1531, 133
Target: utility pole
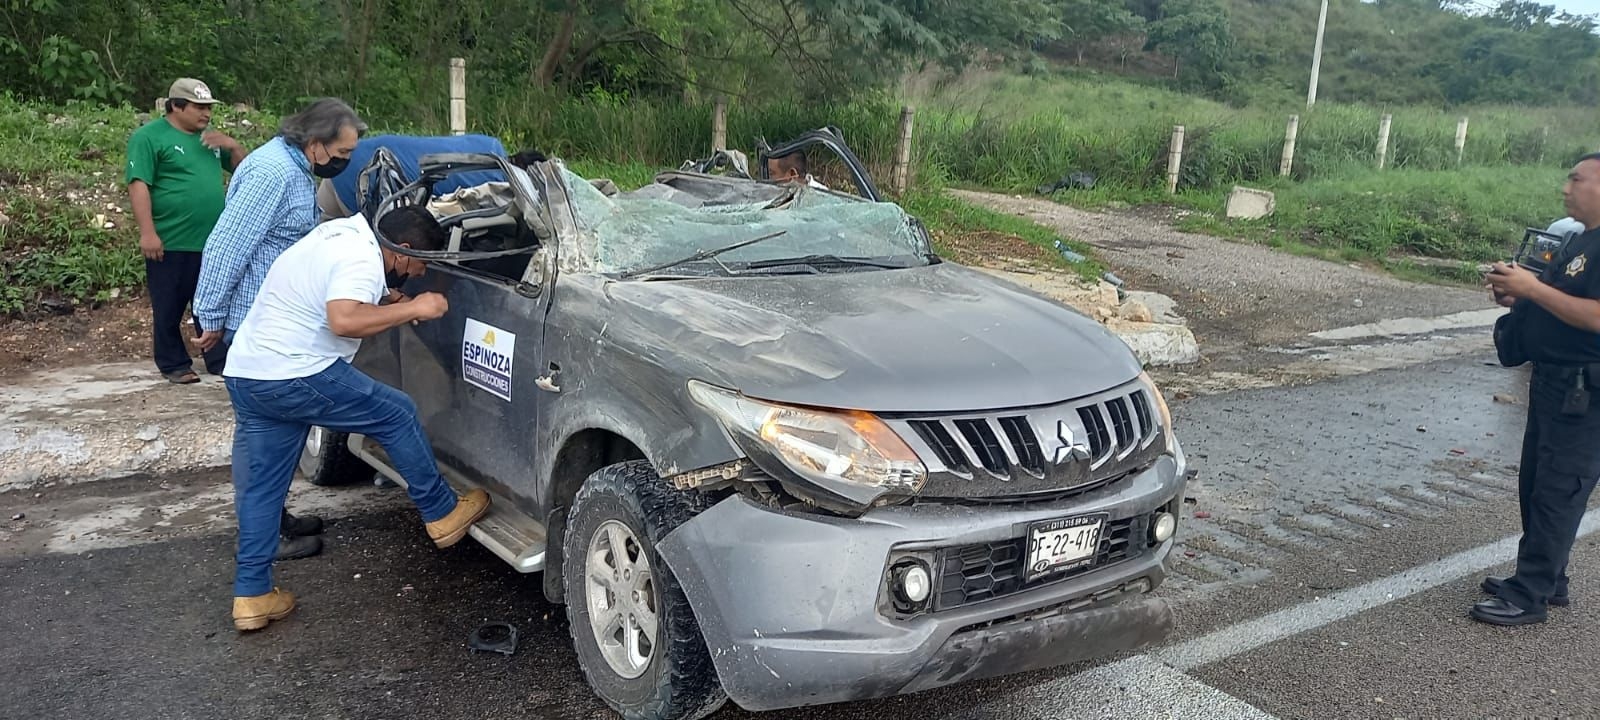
1316, 56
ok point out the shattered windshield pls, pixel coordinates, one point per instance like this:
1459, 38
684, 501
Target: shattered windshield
628, 232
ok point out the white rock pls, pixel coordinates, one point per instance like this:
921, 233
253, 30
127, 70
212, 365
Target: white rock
1250, 204
1135, 311
148, 433
1157, 344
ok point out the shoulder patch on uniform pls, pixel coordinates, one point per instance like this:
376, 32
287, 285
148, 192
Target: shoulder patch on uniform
1576, 267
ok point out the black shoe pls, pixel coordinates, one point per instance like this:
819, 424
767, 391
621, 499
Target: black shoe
1491, 585
300, 526
294, 548
1497, 611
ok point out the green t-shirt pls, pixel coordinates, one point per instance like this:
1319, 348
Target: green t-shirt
185, 179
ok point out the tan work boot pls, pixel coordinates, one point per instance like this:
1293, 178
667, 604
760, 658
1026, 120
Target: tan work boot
449, 530
253, 613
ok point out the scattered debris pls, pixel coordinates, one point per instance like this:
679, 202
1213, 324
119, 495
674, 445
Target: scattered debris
1458, 451
18, 516
1422, 428
358, 576
1202, 515
1358, 302
1067, 254
499, 637
1072, 181
1504, 399
58, 307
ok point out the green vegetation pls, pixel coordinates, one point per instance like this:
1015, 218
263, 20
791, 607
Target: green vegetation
1389, 219
60, 167
1049, 87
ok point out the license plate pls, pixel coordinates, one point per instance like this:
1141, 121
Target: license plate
1063, 544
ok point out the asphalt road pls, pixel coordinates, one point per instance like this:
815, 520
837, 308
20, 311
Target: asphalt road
1335, 541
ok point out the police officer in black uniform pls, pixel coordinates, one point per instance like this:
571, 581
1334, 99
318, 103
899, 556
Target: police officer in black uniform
1555, 319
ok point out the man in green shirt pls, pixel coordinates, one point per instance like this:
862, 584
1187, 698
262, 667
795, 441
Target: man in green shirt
174, 178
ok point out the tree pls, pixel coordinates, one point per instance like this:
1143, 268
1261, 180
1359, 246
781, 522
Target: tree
1193, 32
1085, 21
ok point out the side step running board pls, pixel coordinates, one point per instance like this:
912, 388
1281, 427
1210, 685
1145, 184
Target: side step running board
516, 538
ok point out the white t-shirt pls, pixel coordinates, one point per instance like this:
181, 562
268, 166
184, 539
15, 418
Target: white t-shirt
285, 335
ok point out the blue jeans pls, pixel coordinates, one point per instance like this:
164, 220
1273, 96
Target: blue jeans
272, 418
239, 461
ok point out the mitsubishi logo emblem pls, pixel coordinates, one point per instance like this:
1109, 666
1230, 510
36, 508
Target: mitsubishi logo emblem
1071, 447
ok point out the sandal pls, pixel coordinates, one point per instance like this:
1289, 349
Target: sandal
182, 377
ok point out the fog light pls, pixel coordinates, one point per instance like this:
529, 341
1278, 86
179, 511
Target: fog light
1163, 527
915, 585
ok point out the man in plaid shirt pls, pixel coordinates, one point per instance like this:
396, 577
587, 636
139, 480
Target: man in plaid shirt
271, 204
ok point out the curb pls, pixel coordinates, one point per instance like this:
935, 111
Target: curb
99, 422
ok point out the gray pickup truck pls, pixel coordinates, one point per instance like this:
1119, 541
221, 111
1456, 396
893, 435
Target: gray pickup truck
766, 446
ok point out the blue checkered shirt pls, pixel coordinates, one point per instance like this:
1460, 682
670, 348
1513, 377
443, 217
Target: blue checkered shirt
271, 204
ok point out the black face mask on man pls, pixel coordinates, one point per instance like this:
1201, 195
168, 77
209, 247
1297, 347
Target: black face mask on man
331, 168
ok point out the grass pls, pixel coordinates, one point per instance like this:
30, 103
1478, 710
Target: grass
948, 217
1472, 215
60, 166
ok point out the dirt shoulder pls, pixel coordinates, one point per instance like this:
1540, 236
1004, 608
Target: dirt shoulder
1238, 297
113, 333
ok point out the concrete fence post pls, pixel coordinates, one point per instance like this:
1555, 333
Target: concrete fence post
458, 96
1174, 159
1383, 139
1289, 136
900, 175
719, 125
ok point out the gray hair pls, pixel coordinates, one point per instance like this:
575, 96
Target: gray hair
321, 121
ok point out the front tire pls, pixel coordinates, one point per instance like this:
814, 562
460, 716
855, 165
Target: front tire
636, 637
326, 459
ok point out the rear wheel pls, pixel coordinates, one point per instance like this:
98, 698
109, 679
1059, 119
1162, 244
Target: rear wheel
326, 459
636, 636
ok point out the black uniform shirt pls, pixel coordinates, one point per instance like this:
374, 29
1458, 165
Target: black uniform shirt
1575, 271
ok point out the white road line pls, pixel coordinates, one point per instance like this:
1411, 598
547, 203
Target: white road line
1413, 326
1158, 684
1252, 634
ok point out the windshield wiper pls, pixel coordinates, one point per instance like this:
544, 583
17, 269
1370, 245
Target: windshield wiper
822, 260
702, 255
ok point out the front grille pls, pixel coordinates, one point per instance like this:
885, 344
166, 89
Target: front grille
1023, 453
975, 573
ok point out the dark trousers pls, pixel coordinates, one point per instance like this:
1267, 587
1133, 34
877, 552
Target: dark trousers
171, 284
1560, 464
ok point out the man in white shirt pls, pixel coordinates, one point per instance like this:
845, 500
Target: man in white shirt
289, 368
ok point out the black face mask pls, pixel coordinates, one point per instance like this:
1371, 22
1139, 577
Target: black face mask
331, 168
393, 279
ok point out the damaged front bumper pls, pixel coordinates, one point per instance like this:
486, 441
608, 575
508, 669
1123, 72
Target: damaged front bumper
793, 606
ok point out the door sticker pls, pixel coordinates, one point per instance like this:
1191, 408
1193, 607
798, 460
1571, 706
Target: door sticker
486, 353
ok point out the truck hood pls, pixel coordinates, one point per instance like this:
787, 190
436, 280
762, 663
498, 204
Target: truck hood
936, 339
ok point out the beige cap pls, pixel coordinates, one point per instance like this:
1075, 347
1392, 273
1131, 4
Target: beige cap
192, 90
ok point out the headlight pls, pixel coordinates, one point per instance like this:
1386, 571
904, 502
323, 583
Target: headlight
1161, 406
837, 450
